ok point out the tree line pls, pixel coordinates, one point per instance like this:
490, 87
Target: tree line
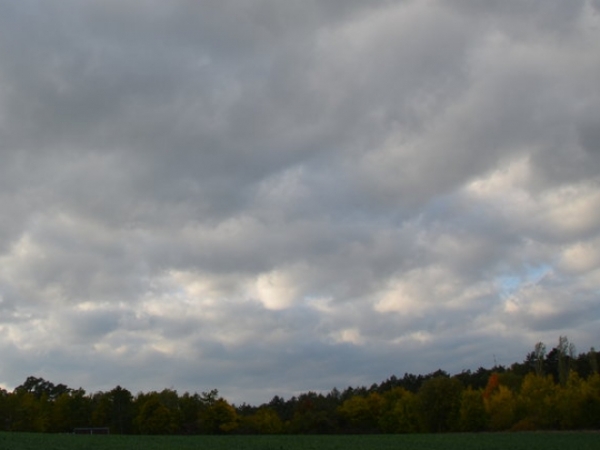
555, 390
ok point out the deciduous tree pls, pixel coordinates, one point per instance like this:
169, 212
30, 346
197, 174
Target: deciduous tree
501, 407
155, 417
219, 418
537, 400
439, 400
473, 416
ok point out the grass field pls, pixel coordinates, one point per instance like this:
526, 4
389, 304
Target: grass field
467, 441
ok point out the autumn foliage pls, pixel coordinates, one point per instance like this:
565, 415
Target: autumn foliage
557, 391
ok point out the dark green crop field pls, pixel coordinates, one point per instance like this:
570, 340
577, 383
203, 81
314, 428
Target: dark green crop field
467, 441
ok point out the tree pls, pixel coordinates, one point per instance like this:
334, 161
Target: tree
537, 400
113, 409
492, 385
593, 358
314, 414
155, 417
121, 412
400, 412
5, 410
362, 414
539, 356
209, 398
264, 421
219, 418
439, 400
473, 415
569, 402
71, 410
590, 408
586, 363
285, 410
190, 406
39, 386
26, 412
566, 353
501, 408
101, 410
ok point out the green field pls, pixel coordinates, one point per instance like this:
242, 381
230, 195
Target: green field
467, 441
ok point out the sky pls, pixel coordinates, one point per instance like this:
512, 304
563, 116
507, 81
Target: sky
274, 197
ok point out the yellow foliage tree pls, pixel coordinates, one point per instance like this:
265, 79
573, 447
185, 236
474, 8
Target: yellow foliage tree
219, 418
264, 421
569, 402
400, 412
501, 407
156, 418
537, 400
473, 416
362, 413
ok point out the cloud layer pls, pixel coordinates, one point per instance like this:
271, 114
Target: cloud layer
272, 197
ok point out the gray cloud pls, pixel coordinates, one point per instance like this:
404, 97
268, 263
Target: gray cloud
271, 197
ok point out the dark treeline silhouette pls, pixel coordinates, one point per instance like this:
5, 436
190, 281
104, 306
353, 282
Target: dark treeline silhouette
552, 390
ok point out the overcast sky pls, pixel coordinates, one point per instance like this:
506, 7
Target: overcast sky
269, 197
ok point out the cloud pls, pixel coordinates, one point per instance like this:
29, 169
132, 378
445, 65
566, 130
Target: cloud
269, 197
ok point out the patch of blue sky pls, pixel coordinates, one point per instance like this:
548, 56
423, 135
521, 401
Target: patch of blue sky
531, 275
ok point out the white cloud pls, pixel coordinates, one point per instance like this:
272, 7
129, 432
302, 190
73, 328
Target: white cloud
276, 290
436, 288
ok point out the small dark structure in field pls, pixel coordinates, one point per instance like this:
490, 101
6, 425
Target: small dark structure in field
92, 430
